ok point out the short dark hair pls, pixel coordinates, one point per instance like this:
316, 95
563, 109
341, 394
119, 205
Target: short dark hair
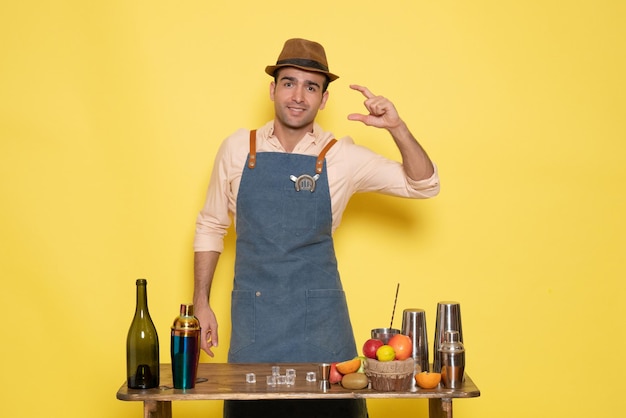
324, 86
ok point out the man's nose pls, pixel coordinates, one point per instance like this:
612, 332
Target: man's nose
298, 94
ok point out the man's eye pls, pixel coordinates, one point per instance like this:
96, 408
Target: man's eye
288, 84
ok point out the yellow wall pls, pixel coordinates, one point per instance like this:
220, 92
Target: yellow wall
111, 113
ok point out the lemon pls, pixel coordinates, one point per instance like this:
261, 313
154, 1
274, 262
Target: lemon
385, 353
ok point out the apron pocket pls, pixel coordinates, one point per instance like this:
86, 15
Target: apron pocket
299, 212
328, 323
242, 314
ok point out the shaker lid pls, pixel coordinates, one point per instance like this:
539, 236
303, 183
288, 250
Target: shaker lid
451, 342
451, 336
186, 320
186, 309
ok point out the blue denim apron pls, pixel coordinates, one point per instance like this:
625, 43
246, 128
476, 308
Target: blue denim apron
288, 304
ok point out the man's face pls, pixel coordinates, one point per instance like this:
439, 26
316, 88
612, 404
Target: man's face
297, 96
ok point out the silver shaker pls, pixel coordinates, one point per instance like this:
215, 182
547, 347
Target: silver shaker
452, 360
448, 319
414, 325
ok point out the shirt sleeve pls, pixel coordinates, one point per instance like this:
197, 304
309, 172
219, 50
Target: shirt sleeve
371, 172
215, 217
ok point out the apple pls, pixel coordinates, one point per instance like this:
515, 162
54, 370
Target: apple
335, 376
370, 347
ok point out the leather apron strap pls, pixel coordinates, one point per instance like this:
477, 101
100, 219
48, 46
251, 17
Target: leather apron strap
319, 164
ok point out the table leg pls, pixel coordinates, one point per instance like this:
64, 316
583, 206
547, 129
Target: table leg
157, 409
440, 408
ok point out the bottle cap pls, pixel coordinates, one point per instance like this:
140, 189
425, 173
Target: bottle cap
186, 309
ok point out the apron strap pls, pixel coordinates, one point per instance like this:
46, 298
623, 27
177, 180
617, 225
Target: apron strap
252, 159
319, 165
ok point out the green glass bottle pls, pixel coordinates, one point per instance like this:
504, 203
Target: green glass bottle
142, 345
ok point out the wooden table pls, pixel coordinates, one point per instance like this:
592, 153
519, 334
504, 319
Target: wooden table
221, 381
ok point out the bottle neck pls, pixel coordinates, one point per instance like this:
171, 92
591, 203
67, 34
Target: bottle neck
142, 299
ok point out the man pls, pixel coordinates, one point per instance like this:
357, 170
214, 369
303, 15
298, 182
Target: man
286, 185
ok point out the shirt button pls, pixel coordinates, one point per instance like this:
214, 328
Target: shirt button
258, 293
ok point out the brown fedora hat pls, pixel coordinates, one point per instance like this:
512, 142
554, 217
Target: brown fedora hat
303, 54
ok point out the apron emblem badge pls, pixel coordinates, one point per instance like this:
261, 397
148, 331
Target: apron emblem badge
305, 182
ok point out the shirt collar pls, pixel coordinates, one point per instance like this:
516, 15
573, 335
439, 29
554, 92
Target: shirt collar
311, 138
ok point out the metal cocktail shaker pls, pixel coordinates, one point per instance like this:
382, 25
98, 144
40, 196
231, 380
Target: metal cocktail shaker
185, 348
414, 325
452, 360
448, 319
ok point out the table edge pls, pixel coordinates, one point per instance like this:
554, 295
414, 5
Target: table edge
167, 393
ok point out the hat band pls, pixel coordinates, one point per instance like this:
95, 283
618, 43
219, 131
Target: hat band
301, 62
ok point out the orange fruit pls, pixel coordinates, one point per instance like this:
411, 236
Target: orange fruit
349, 366
402, 345
428, 380
385, 353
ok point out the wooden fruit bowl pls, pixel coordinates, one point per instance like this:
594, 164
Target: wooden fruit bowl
390, 376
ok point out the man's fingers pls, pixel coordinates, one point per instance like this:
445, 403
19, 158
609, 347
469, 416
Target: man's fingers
208, 340
364, 90
357, 117
206, 347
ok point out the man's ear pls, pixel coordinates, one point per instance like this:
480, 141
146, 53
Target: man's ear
324, 99
272, 90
